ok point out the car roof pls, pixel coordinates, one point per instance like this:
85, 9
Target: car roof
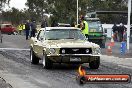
64, 28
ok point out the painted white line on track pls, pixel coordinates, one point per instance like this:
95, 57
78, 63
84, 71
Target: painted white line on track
107, 56
14, 49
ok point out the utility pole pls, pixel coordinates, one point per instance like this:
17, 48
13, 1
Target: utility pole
77, 12
128, 24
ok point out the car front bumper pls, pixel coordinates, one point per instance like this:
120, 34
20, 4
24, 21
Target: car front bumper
73, 58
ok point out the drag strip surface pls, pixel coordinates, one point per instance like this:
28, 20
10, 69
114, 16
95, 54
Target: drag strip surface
60, 76
16, 68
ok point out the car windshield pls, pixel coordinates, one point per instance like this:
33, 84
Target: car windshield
95, 26
56, 34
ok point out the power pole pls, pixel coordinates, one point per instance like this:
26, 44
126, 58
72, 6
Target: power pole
128, 24
77, 12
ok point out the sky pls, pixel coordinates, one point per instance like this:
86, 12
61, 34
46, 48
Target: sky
19, 4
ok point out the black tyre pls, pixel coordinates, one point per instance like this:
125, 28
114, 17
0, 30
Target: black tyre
34, 59
95, 64
47, 63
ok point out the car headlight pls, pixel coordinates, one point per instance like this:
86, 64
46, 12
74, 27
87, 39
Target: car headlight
97, 51
52, 51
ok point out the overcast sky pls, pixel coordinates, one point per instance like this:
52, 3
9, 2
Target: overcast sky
20, 4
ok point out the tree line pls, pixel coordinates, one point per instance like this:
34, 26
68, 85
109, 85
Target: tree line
65, 10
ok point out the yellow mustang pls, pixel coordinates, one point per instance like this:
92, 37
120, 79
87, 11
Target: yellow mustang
63, 45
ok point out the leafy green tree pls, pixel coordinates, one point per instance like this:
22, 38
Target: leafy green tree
37, 8
2, 3
65, 10
15, 16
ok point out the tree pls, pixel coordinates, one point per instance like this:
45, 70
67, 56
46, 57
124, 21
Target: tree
37, 8
2, 3
65, 10
15, 16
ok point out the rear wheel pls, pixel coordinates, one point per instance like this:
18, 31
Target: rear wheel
47, 63
34, 59
95, 64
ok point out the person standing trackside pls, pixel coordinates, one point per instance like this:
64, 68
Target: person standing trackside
20, 29
27, 28
85, 28
44, 24
115, 31
23, 28
121, 30
33, 29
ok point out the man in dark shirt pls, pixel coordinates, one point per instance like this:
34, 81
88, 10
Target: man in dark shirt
121, 30
33, 29
27, 29
115, 31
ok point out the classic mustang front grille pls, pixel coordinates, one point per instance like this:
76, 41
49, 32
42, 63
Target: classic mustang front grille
75, 51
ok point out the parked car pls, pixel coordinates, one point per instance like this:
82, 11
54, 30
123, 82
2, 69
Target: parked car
63, 45
7, 29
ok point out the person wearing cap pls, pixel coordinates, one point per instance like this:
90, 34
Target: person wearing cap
85, 28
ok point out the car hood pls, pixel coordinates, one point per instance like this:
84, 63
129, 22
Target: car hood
70, 43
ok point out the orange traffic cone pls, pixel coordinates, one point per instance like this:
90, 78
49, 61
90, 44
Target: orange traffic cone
112, 41
109, 49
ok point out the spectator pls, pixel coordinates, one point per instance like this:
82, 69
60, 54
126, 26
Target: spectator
23, 28
84, 27
27, 28
44, 24
33, 29
121, 31
115, 31
20, 28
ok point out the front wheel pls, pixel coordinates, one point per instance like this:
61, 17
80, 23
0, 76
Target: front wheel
33, 58
95, 64
47, 63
